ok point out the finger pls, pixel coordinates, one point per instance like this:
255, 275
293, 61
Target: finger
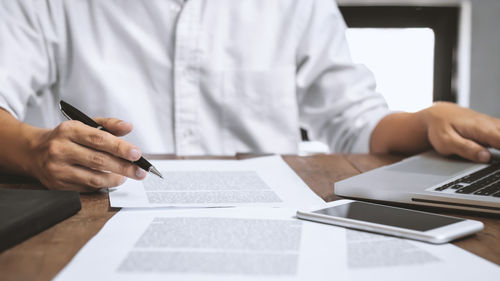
75, 187
468, 149
102, 161
484, 130
115, 126
103, 141
489, 133
91, 180
64, 180
497, 123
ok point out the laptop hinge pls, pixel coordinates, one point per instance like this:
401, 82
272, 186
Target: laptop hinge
455, 204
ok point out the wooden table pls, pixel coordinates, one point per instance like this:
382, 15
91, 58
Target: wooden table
44, 255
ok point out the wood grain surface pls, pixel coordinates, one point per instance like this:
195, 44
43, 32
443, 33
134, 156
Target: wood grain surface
42, 256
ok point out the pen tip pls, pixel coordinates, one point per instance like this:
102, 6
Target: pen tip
153, 170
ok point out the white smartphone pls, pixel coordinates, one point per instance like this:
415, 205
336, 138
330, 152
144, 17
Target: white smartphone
393, 221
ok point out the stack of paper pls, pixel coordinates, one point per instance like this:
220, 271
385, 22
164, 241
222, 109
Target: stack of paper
248, 243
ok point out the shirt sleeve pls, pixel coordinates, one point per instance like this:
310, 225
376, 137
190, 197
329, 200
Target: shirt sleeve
338, 104
26, 54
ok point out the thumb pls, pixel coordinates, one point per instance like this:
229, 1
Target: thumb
115, 126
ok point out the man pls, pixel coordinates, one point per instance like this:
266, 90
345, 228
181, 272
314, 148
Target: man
196, 77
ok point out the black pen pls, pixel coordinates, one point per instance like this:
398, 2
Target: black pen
74, 114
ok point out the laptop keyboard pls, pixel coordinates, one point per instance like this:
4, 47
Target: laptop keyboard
485, 182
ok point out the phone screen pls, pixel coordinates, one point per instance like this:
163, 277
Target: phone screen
388, 216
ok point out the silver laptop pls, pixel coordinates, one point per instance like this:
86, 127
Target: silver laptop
431, 180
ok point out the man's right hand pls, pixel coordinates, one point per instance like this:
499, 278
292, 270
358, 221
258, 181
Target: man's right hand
74, 156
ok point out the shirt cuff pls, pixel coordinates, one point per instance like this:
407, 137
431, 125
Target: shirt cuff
362, 143
5, 105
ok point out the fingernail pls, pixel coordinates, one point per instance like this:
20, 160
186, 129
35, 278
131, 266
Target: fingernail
124, 180
135, 154
483, 156
123, 124
140, 173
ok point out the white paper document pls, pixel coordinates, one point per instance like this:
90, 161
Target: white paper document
263, 181
210, 244
380, 257
259, 244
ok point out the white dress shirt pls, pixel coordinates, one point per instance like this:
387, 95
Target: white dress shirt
197, 77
